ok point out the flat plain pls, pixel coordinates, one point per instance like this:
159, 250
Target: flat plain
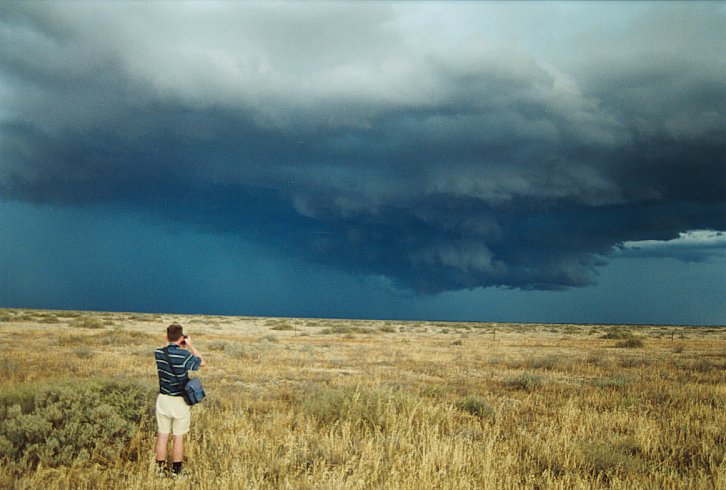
344, 404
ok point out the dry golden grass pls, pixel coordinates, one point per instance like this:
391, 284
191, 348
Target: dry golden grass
331, 404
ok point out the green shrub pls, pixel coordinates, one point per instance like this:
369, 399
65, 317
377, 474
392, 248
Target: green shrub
433, 391
217, 345
87, 322
49, 319
140, 318
283, 327
327, 406
610, 459
344, 329
618, 334
526, 381
475, 405
703, 366
369, 409
308, 349
119, 335
547, 362
633, 362
387, 329
612, 382
132, 400
11, 367
599, 359
631, 343
239, 350
84, 352
58, 425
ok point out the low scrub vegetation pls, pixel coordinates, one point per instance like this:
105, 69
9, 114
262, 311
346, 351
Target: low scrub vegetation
66, 424
618, 334
364, 405
344, 329
90, 322
631, 343
475, 405
526, 381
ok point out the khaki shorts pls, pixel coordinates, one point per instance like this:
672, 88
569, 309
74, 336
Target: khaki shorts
173, 415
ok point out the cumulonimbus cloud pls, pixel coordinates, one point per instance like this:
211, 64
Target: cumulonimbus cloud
327, 132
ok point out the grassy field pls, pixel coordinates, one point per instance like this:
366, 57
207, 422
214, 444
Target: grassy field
332, 404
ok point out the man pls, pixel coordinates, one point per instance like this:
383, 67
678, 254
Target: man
173, 415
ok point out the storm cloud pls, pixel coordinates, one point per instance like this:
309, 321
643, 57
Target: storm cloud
373, 138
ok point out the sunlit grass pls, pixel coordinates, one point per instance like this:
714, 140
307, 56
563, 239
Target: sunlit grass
331, 404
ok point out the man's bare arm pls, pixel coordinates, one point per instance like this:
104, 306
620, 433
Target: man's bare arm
194, 351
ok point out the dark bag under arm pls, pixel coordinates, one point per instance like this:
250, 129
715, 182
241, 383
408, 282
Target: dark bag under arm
193, 392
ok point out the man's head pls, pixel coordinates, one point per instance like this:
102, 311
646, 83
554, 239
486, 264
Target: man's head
174, 332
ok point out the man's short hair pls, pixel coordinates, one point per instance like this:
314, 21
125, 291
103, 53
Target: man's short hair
174, 332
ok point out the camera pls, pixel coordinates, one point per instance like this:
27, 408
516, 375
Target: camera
184, 341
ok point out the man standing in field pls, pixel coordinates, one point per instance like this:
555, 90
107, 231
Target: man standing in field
173, 415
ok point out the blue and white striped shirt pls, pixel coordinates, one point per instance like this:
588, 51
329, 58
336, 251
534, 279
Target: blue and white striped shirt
171, 382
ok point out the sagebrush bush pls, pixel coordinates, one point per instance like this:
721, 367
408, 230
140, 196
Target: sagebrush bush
475, 405
58, 425
70, 314
633, 362
703, 366
612, 382
618, 334
217, 345
610, 459
549, 362
141, 318
344, 329
120, 335
83, 352
253, 352
631, 343
270, 338
283, 327
49, 319
433, 391
368, 409
117, 336
87, 322
526, 381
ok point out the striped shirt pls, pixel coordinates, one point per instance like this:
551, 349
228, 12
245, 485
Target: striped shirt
172, 379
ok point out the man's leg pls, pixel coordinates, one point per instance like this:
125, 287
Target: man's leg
164, 424
177, 453
161, 442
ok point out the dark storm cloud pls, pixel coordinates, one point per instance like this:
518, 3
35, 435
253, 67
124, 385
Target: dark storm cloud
329, 131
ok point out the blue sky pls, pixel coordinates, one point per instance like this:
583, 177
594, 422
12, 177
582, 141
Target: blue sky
532, 161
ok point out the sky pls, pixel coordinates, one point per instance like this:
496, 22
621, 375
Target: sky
557, 162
